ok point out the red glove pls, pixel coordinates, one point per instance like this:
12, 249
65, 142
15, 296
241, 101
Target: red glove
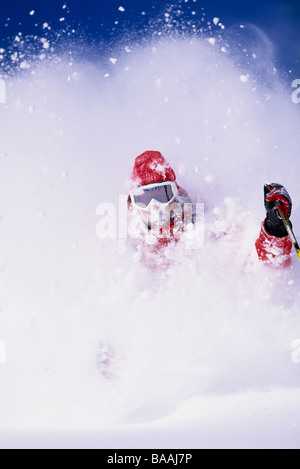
275, 193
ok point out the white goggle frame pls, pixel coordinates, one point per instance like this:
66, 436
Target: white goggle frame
150, 186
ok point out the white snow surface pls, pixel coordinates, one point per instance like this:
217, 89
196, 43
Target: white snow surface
204, 346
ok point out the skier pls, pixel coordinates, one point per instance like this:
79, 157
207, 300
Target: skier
160, 210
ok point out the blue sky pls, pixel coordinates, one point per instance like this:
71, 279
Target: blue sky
96, 18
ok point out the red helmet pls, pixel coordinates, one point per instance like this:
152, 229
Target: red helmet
151, 167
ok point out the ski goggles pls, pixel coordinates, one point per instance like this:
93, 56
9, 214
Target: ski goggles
163, 192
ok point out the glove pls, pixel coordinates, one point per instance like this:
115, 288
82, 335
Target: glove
275, 194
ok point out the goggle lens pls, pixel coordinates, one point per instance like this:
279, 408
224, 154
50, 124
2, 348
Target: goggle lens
162, 194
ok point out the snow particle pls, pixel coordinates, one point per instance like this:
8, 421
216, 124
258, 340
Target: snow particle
150, 240
244, 78
182, 169
113, 60
229, 202
32, 12
158, 82
212, 41
296, 351
24, 65
216, 21
122, 9
45, 43
209, 178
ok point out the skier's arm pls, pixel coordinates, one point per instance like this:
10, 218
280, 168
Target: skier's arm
273, 244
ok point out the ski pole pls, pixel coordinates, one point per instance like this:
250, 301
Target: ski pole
289, 229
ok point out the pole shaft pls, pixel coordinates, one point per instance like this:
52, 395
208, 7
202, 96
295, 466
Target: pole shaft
289, 229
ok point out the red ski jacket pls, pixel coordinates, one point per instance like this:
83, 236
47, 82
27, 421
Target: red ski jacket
273, 250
